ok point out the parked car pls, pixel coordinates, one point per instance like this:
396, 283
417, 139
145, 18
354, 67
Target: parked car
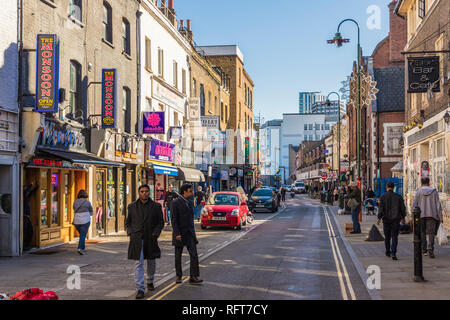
263, 199
225, 209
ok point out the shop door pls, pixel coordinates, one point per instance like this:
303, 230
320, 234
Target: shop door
99, 203
122, 198
111, 199
130, 190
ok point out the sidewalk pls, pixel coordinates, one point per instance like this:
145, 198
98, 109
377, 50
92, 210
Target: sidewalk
396, 276
106, 272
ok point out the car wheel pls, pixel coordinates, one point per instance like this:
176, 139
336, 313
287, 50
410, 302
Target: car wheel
203, 227
239, 227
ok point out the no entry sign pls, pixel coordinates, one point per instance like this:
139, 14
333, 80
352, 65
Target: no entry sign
109, 98
47, 65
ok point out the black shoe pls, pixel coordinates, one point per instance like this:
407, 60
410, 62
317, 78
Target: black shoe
394, 258
150, 286
178, 280
355, 232
425, 253
140, 294
195, 280
388, 254
431, 254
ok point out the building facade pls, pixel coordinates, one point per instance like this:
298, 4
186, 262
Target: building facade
307, 100
270, 150
427, 115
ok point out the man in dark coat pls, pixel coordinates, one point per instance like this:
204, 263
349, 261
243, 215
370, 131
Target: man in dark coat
392, 210
168, 198
144, 225
183, 234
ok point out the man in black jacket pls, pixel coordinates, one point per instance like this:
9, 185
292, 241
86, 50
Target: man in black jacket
168, 198
144, 225
183, 234
392, 210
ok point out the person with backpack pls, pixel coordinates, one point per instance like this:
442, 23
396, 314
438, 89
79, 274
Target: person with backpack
354, 203
392, 210
83, 211
427, 199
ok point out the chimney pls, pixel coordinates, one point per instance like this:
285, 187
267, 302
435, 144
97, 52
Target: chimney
170, 4
163, 3
181, 24
397, 35
171, 14
189, 25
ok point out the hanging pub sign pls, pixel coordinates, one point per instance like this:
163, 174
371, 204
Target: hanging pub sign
423, 74
109, 98
47, 67
153, 123
175, 133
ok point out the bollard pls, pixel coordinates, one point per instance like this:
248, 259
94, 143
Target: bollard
418, 270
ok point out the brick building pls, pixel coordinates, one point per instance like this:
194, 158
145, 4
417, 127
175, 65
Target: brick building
427, 132
92, 35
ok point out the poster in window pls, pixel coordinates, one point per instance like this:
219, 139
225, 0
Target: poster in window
47, 67
392, 137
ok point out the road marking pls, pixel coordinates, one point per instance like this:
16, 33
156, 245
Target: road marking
162, 291
344, 268
338, 268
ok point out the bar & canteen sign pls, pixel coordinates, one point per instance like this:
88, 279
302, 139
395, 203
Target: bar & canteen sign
109, 100
47, 66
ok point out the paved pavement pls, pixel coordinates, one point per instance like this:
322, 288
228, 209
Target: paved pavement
106, 273
297, 255
396, 276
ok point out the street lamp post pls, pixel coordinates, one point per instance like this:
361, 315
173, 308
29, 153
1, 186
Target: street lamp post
328, 103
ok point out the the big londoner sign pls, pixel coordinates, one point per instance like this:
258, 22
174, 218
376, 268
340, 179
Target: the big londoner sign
47, 66
109, 100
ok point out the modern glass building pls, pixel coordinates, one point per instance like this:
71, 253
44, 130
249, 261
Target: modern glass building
308, 99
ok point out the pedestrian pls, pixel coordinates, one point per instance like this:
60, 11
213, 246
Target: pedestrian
278, 198
83, 211
427, 199
199, 197
144, 225
168, 198
391, 211
355, 195
28, 193
336, 194
183, 234
283, 194
371, 194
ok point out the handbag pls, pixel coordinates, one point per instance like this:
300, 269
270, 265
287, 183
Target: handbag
353, 204
76, 211
442, 236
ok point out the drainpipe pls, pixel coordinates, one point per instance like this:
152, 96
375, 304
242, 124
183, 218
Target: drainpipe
20, 107
138, 53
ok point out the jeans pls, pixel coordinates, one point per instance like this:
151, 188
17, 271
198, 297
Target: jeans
82, 230
139, 271
168, 214
198, 211
192, 249
391, 231
355, 219
428, 230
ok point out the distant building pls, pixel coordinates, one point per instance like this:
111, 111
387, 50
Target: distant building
333, 108
270, 150
307, 100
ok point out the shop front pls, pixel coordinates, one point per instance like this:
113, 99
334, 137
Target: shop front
115, 185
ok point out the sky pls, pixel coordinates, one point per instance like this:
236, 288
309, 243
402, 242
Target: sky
284, 42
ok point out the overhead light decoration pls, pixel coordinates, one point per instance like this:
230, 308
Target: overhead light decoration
368, 90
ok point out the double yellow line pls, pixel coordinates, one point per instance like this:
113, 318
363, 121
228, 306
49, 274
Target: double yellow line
168, 289
339, 261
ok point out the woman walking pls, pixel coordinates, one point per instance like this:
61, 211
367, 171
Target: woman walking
83, 211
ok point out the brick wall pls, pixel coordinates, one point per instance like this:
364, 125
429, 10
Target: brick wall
8, 56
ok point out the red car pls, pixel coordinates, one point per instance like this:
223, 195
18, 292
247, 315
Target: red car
225, 209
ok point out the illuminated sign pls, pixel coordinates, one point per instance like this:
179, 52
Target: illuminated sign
109, 80
46, 99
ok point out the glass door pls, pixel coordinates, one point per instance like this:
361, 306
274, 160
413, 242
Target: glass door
99, 203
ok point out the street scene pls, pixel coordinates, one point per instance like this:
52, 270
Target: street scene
170, 150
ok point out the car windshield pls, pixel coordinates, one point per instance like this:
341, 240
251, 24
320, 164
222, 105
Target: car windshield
263, 193
299, 184
224, 199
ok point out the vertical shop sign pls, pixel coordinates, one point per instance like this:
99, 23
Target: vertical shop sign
47, 65
109, 101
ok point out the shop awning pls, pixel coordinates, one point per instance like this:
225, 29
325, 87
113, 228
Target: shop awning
81, 158
190, 175
166, 170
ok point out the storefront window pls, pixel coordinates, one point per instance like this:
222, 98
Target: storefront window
111, 193
43, 199
54, 190
66, 196
122, 192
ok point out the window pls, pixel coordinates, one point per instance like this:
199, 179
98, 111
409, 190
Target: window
183, 81
306, 126
175, 119
75, 89
175, 74
148, 53
226, 113
246, 96
239, 112
240, 83
317, 126
202, 99
148, 104
194, 88
107, 22
310, 138
75, 9
126, 36
216, 110
43, 198
421, 8
310, 126
209, 101
126, 109
161, 62
222, 112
